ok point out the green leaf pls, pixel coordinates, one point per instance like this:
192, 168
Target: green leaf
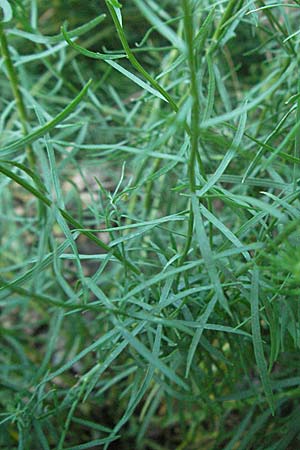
211, 89
88, 53
160, 26
270, 86
40, 39
77, 225
257, 339
106, 337
7, 10
224, 230
36, 134
230, 154
115, 3
94, 443
154, 84
153, 360
207, 254
198, 334
136, 79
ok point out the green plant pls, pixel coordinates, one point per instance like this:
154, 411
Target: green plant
150, 225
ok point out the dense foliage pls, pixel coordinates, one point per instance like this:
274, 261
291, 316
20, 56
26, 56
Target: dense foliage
150, 258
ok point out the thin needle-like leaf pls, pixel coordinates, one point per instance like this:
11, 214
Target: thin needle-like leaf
257, 339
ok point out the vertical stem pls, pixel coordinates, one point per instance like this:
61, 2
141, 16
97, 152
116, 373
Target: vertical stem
14, 83
195, 119
226, 16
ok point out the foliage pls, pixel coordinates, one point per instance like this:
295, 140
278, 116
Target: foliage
149, 210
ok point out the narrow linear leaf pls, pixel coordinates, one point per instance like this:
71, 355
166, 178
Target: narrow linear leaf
207, 254
94, 443
224, 230
160, 26
251, 103
88, 53
77, 225
257, 340
40, 39
197, 336
229, 155
7, 10
109, 335
32, 137
211, 89
151, 358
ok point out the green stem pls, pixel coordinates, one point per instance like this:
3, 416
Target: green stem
14, 83
195, 119
219, 30
194, 130
135, 62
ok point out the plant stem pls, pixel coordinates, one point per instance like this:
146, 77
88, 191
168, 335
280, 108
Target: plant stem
195, 119
135, 62
14, 83
219, 30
